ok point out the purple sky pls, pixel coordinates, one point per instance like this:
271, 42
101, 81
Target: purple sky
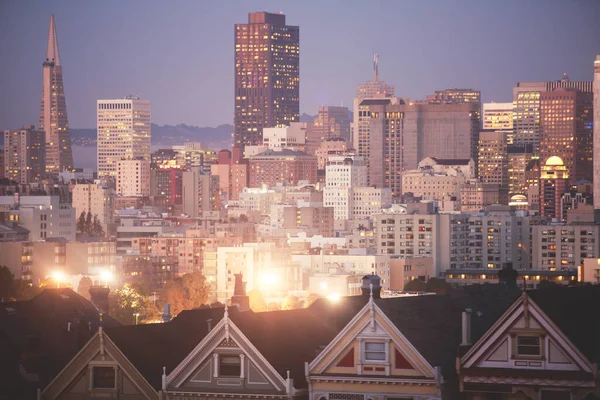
180, 54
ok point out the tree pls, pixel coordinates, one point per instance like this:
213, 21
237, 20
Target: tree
273, 306
25, 290
416, 285
83, 289
311, 298
439, 286
243, 218
89, 225
126, 302
257, 301
81, 222
217, 304
291, 302
6, 284
185, 293
546, 284
97, 229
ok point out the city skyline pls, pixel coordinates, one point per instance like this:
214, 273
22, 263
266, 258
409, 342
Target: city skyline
416, 67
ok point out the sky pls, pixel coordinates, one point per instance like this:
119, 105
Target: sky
180, 54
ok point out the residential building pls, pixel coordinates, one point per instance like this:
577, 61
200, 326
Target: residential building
404, 270
554, 182
308, 217
438, 180
518, 157
24, 155
334, 286
282, 166
498, 117
193, 155
133, 177
11, 232
329, 147
589, 271
167, 180
596, 139
293, 136
267, 76
566, 131
493, 158
331, 123
260, 199
233, 172
200, 192
53, 110
475, 196
97, 199
123, 133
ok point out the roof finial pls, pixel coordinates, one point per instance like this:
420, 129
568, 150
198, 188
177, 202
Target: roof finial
226, 318
371, 294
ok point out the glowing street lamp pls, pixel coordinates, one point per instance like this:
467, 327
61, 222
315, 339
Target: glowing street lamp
106, 276
58, 276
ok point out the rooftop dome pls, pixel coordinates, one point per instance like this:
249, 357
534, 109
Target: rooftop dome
518, 197
555, 160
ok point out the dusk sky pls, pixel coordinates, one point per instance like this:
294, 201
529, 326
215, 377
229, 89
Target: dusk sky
180, 54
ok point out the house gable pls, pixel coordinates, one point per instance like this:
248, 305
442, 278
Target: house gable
225, 362
100, 368
525, 338
371, 345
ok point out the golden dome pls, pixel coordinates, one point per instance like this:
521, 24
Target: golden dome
554, 161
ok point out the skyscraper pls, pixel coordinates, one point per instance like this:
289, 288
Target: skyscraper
331, 123
566, 130
53, 110
24, 152
123, 132
267, 76
454, 96
498, 117
597, 133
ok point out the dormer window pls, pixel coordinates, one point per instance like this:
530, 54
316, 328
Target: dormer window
528, 346
230, 366
104, 378
375, 351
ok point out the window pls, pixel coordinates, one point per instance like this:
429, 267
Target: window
229, 366
374, 351
104, 378
528, 346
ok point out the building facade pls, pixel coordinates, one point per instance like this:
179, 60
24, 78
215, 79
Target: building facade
597, 132
282, 166
331, 123
133, 177
493, 158
96, 199
553, 183
267, 76
24, 155
123, 132
498, 117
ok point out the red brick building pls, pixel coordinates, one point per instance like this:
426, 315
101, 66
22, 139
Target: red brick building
282, 166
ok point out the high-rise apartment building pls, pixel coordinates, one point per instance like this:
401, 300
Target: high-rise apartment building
167, 180
24, 155
133, 177
200, 192
401, 135
53, 110
493, 157
597, 132
343, 173
454, 96
566, 130
331, 123
123, 132
498, 117
267, 76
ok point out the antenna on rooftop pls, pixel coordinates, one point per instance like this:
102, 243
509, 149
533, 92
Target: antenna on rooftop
376, 67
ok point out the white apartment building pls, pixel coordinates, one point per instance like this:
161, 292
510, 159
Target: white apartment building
123, 132
96, 199
367, 201
558, 246
44, 216
286, 136
344, 174
133, 177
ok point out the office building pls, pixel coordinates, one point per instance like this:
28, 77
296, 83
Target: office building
475, 196
329, 147
597, 132
200, 192
267, 76
233, 171
194, 154
293, 136
123, 133
133, 177
498, 117
24, 155
566, 131
518, 157
283, 166
553, 183
454, 96
97, 199
331, 123
343, 173
493, 158
53, 110
166, 180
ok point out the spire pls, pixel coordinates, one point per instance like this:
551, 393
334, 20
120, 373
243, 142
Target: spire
52, 51
376, 67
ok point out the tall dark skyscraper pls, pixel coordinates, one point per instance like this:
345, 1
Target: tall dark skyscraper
53, 110
267, 76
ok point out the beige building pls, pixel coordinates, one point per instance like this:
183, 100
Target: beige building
404, 270
311, 218
123, 133
493, 158
498, 117
331, 123
334, 286
557, 246
133, 177
24, 155
429, 185
518, 157
475, 196
95, 199
200, 192
333, 146
279, 137
589, 271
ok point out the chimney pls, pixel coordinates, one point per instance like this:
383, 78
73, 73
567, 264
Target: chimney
507, 276
466, 327
239, 298
209, 324
369, 280
99, 297
166, 317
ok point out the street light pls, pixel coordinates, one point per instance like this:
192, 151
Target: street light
58, 276
136, 315
106, 276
